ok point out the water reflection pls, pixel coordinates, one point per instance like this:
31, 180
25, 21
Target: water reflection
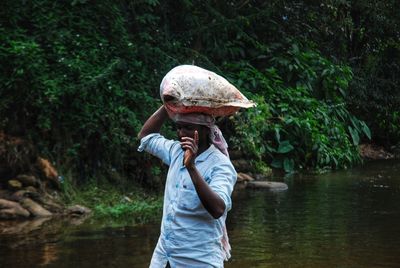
341, 219
50, 254
21, 227
34, 243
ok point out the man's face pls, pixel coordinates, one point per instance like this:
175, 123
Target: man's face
184, 129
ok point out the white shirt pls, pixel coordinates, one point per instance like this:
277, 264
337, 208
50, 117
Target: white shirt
190, 236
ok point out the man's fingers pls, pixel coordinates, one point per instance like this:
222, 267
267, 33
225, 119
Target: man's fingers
188, 142
196, 137
187, 139
188, 146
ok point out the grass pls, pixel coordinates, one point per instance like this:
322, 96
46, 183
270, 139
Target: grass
115, 203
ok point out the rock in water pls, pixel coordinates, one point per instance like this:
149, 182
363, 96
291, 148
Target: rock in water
243, 177
12, 210
28, 180
14, 185
77, 210
34, 208
270, 185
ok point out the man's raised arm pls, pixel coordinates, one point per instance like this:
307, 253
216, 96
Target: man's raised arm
154, 122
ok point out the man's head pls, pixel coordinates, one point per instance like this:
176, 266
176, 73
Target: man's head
185, 129
208, 132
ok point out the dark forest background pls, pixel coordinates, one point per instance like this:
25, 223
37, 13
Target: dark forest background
79, 78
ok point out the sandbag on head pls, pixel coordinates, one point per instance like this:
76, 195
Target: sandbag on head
191, 89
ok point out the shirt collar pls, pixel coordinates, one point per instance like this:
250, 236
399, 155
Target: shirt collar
203, 156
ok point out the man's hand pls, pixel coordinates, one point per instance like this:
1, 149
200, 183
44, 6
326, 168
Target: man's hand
154, 122
190, 146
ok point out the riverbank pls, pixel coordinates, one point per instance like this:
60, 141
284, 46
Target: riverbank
31, 187
375, 152
115, 203
127, 202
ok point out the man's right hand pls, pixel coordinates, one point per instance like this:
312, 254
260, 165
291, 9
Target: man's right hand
154, 123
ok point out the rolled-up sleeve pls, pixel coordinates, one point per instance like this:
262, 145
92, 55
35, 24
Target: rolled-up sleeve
158, 146
223, 179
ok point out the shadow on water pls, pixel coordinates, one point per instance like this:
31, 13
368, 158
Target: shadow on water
341, 219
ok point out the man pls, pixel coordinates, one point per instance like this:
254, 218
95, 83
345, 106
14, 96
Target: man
197, 194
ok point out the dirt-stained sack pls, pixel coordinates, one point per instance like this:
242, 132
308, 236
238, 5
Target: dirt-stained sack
189, 89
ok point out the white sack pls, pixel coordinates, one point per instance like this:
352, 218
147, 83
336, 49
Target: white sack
188, 88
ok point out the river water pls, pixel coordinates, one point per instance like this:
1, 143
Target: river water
341, 219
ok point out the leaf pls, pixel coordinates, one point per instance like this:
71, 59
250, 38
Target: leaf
366, 130
276, 163
285, 147
327, 159
354, 122
335, 160
342, 92
277, 135
354, 135
295, 48
254, 83
270, 149
152, 2
288, 165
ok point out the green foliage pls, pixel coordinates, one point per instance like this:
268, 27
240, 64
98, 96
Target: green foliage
74, 83
364, 34
137, 211
116, 203
376, 94
79, 77
302, 123
325, 80
250, 138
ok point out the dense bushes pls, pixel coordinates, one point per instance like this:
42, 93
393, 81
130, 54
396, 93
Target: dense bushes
79, 78
73, 82
375, 95
301, 121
